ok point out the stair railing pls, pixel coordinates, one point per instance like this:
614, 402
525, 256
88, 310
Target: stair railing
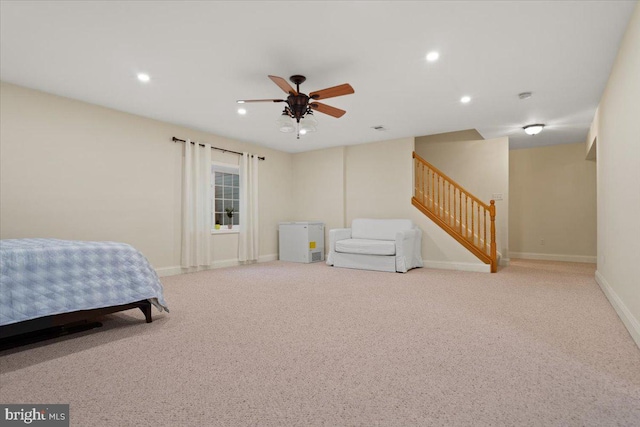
461, 214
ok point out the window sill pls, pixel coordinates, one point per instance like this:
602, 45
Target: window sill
225, 230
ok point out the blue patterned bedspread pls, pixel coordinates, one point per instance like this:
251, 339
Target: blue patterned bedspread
41, 277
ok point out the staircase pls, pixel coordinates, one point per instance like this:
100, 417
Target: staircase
458, 212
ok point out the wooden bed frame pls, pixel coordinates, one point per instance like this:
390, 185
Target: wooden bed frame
34, 330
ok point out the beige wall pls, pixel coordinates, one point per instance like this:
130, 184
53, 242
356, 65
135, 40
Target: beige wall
379, 179
73, 170
461, 135
552, 206
592, 143
318, 188
618, 168
481, 167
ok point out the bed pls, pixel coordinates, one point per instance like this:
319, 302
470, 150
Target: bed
51, 283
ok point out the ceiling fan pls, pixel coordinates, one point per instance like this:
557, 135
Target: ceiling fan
299, 105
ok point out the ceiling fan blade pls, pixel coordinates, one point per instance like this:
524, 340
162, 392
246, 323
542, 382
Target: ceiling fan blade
242, 101
282, 84
331, 92
327, 109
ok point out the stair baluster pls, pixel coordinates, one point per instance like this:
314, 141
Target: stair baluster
435, 199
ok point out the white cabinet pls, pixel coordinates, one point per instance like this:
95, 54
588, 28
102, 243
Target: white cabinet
301, 241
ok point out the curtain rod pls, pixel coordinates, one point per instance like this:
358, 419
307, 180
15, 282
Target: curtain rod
174, 139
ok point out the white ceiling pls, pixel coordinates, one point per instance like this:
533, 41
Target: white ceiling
203, 56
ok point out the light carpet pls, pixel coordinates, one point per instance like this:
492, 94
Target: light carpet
279, 344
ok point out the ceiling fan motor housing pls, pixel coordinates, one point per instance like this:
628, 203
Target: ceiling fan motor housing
298, 105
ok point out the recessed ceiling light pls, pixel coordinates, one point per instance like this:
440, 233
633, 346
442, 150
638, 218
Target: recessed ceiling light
465, 99
433, 56
143, 77
242, 111
303, 131
240, 102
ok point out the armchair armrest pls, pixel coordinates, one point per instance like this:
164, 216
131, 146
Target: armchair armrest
408, 249
336, 234
406, 235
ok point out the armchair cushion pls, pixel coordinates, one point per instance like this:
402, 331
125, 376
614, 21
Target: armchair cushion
366, 246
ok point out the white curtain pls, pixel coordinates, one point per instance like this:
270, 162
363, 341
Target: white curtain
196, 205
248, 245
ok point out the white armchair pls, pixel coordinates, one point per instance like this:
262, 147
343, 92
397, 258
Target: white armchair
376, 244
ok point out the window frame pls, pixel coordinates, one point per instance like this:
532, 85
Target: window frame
223, 168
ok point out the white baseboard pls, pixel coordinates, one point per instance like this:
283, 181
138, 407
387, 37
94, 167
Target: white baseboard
168, 271
172, 271
632, 324
553, 257
463, 266
268, 258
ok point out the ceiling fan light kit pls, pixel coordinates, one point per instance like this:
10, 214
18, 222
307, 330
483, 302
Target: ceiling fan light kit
299, 105
533, 129
285, 124
308, 123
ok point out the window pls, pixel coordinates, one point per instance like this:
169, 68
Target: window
225, 186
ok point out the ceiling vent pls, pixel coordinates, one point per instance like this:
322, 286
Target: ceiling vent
379, 128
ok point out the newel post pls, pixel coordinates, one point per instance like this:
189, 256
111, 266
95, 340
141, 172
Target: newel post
494, 258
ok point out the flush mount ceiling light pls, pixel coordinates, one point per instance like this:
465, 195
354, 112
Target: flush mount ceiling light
242, 111
143, 77
465, 99
433, 56
533, 129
